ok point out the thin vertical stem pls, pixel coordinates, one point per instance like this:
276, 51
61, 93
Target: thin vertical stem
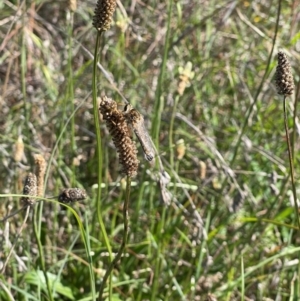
159, 259
124, 240
70, 91
292, 172
159, 105
41, 257
171, 146
294, 119
99, 147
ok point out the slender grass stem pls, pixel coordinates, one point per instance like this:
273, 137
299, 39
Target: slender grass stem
36, 222
159, 104
23, 74
243, 279
294, 119
70, 92
124, 240
291, 162
159, 260
99, 148
171, 147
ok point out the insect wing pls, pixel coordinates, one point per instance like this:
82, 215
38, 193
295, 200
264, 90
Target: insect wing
136, 120
144, 139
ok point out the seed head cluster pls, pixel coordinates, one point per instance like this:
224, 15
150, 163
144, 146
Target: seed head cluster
283, 76
70, 195
118, 128
103, 14
30, 189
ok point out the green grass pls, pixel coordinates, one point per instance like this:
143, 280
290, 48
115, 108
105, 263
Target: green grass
231, 228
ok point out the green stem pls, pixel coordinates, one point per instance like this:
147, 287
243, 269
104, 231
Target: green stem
294, 119
158, 260
292, 172
99, 150
23, 76
70, 92
124, 241
171, 146
159, 105
40, 248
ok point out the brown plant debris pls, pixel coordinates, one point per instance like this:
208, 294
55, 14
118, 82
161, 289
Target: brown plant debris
118, 128
69, 195
30, 189
40, 173
103, 14
283, 75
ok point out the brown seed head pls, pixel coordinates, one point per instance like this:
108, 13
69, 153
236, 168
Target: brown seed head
118, 128
283, 76
40, 173
103, 14
70, 195
30, 188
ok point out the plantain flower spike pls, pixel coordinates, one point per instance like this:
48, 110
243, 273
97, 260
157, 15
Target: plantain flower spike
30, 189
103, 14
70, 195
283, 76
118, 129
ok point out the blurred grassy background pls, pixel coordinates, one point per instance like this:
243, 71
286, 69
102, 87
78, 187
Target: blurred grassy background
227, 231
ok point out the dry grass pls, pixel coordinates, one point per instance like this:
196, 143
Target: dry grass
230, 201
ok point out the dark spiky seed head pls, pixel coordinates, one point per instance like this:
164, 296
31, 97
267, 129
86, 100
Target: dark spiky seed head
283, 76
118, 128
103, 14
30, 188
70, 195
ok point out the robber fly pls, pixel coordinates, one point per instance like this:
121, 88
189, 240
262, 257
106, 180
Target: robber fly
136, 121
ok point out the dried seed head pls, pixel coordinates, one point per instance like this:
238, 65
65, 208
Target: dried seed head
72, 5
118, 128
30, 188
40, 173
180, 149
203, 169
70, 195
185, 76
18, 150
283, 76
103, 14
